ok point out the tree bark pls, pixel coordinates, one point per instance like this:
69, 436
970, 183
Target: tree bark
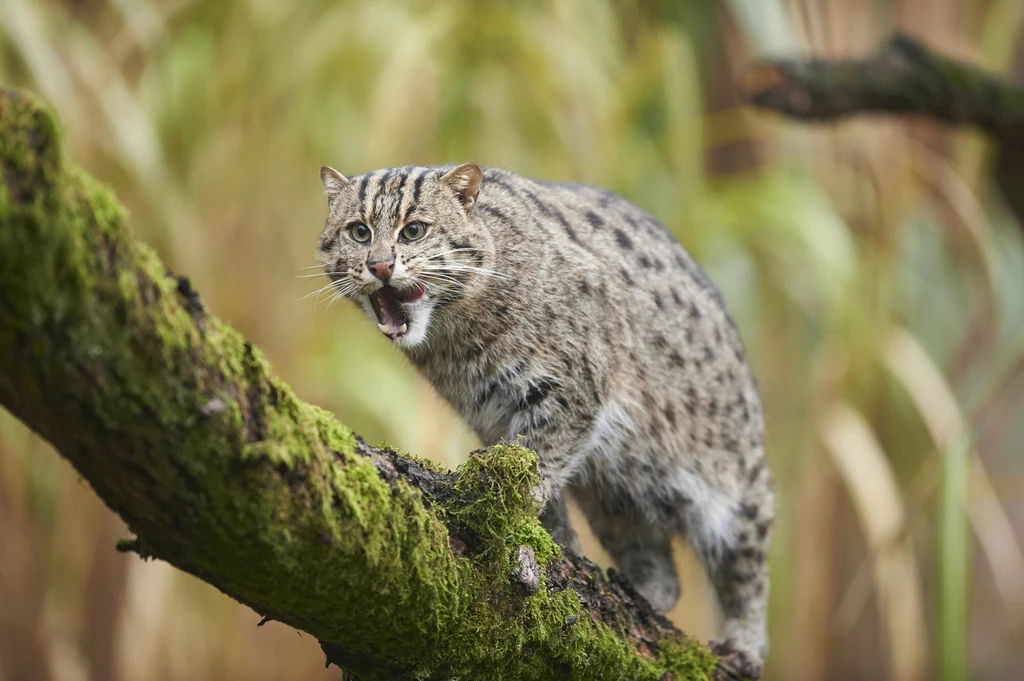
905, 78
402, 570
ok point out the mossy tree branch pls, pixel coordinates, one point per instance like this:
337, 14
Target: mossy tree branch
904, 78
402, 570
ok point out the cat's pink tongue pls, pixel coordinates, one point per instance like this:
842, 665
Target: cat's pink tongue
413, 294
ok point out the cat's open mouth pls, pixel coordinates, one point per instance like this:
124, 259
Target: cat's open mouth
387, 302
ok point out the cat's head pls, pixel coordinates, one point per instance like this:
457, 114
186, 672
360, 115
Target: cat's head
400, 243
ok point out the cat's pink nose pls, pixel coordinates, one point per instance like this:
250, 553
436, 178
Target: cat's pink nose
382, 269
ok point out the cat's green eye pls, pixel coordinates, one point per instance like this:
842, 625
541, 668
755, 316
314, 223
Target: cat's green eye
360, 232
413, 231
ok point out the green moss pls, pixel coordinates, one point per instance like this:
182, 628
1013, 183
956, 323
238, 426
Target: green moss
423, 461
687, 659
494, 493
334, 435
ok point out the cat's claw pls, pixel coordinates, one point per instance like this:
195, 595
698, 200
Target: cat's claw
735, 665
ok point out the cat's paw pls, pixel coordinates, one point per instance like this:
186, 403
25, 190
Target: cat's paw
735, 665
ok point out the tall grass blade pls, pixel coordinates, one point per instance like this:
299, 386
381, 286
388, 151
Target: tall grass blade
937, 406
954, 561
871, 483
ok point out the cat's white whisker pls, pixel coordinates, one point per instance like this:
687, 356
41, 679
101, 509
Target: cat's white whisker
460, 265
449, 280
334, 299
318, 274
320, 290
454, 250
342, 288
435, 280
465, 268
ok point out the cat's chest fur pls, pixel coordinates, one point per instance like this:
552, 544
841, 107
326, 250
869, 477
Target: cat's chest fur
499, 388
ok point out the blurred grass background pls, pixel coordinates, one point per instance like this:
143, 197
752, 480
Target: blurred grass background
876, 276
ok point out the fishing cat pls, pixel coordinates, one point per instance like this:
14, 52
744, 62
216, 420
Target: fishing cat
564, 314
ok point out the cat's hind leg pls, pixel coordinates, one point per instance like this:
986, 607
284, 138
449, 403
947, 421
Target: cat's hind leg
738, 570
640, 549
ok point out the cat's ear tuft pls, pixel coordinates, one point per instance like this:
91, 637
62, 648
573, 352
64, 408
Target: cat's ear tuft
465, 180
334, 182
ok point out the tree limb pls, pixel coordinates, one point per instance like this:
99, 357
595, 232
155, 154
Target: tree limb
401, 569
907, 78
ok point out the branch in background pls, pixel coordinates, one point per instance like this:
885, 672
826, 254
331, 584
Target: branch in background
904, 78
401, 570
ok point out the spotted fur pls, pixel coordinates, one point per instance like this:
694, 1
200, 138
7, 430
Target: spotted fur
566, 315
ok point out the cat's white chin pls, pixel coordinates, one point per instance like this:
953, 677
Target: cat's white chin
418, 323
403, 323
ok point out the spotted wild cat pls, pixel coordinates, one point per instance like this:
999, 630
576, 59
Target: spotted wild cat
569, 316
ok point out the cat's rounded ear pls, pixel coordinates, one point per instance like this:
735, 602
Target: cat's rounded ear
465, 180
334, 182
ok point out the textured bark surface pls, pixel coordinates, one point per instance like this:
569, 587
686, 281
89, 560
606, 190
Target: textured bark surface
401, 569
904, 78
